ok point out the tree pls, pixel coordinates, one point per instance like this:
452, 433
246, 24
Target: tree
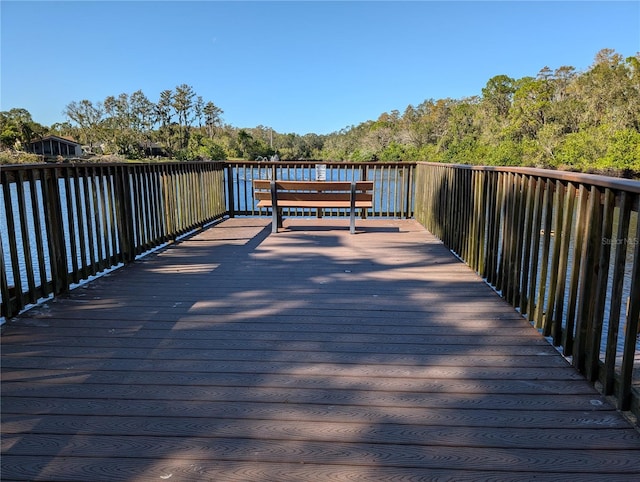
143, 117
531, 107
163, 107
463, 131
609, 91
116, 125
212, 119
164, 117
17, 128
64, 129
498, 94
245, 142
88, 117
183, 106
9, 132
198, 109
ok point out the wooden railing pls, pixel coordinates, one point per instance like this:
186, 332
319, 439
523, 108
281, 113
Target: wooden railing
393, 185
65, 223
562, 248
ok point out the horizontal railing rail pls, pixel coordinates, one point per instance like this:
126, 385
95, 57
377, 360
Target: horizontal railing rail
62, 224
563, 248
393, 185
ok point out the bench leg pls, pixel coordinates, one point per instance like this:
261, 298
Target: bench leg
352, 222
275, 221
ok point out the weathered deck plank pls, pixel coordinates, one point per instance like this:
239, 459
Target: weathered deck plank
307, 355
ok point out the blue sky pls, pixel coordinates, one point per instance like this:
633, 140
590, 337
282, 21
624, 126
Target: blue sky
295, 66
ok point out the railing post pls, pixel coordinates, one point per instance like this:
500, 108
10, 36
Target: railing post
558, 207
563, 238
363, 176
631, 325
55, 232
492, 193
588, 275
8, 305
546, 243
124, 214
526, 249
26, 243
600, 288
616, 293
410, 192
6, 309
71, 215
535, 247
231, 208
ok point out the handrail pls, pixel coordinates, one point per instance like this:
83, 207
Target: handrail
66, 223
618, 183
563, 248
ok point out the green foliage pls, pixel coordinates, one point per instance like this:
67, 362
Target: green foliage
17, 129
558, 119
562, 119
9, 135
361, 155
8, 156
601, 149
623, 152
507, 153
202, 148
581, 150
396, 152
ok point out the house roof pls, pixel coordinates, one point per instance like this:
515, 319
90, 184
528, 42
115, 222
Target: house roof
57, 138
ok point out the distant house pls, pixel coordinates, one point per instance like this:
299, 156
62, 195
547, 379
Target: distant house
52, 146
153, 149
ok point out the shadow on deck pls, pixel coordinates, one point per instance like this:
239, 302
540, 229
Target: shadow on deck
309, 355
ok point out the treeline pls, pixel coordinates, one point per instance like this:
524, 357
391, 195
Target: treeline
562, 118
180, 125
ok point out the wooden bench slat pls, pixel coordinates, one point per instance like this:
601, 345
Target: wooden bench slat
314, 196
315, 204
313, 185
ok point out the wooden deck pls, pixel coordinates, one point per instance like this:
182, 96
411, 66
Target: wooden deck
309, 355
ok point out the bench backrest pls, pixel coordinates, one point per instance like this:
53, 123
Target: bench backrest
313, 190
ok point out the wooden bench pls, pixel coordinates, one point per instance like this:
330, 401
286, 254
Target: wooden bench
320, 195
